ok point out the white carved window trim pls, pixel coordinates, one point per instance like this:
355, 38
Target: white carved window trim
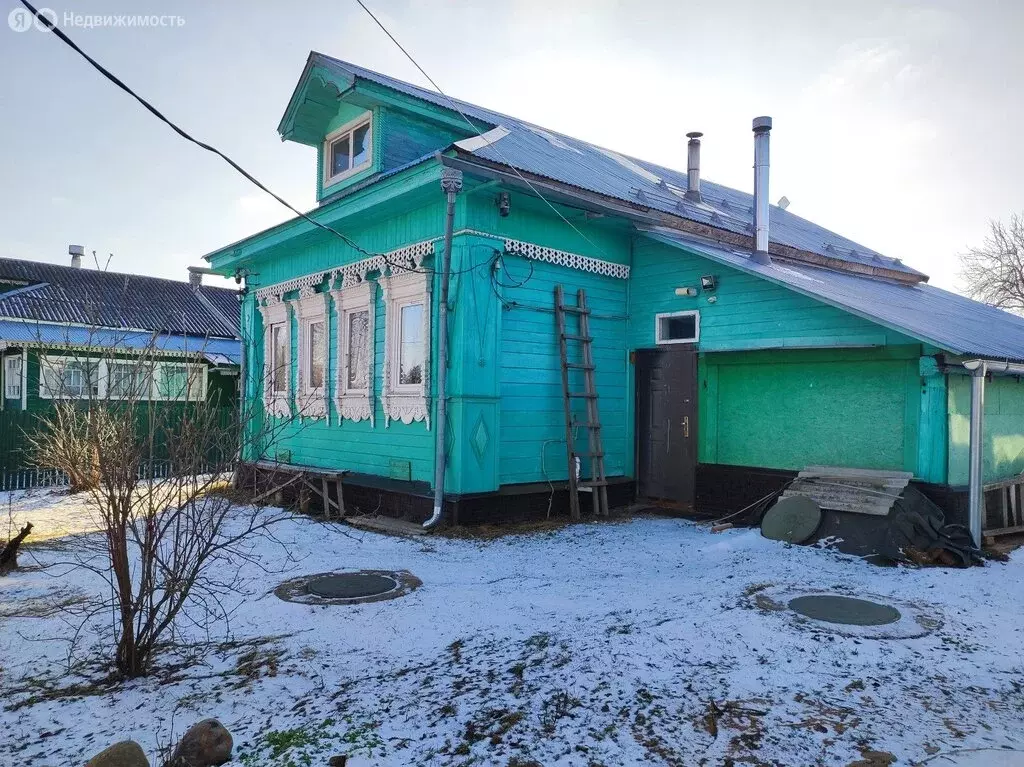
275, 314
405, 403
311, 309
12, 376
355, 295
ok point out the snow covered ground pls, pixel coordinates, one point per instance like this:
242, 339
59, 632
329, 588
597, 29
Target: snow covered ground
640, 642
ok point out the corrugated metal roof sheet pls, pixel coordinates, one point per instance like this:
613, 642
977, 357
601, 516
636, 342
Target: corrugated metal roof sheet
949, 321
216, 350
556, 156
57, 293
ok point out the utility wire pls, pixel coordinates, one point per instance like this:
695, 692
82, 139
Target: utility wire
185, 135
160, 116
469, 122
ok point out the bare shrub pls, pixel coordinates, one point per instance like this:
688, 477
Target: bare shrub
172, 543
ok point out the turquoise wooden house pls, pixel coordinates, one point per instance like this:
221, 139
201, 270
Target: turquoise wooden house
734, 343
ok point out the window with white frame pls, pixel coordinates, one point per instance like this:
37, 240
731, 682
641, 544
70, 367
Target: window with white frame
407, 347
677, 327
311, 308
68, 377
348, 150
12, 376
130, 379
353, 390
179, 381
276, 357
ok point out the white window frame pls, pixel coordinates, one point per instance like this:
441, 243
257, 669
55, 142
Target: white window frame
409, 402
310, 309
275, 314
355, 295
13, 376
668, 315
135, 364
334, 136
53, 360
194, 371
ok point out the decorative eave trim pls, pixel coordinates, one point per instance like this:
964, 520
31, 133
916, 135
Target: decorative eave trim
406, 258
567, 259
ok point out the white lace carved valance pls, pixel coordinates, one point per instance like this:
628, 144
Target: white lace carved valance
567, 259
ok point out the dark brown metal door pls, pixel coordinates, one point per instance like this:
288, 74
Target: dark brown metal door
666, 425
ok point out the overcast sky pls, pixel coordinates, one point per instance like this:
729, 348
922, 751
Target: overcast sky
897, 124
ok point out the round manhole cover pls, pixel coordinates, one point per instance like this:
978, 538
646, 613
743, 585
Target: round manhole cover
845, 610
351, 585
793, 520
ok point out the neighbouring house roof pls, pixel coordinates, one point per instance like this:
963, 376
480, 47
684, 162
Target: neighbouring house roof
216, 351
949, 321
540, 152
52, 293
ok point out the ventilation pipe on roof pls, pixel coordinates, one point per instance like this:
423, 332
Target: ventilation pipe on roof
762, 127
693, 166
76, 252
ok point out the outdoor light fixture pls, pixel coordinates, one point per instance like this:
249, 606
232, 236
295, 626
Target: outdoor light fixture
691, 292
709, 282
504, 204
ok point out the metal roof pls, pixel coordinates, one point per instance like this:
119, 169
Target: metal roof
57, 293
219, 351
552, 155
949, 321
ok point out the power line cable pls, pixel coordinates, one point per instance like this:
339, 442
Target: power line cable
185, 135
209, 148
469, 122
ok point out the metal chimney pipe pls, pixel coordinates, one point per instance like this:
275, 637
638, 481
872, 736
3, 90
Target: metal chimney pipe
762, 127
693, 166
76, 252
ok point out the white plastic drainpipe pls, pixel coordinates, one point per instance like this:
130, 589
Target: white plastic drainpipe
979, 369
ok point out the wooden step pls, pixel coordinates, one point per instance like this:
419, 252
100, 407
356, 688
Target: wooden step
571, 337
589, 483
579, 366
583, 394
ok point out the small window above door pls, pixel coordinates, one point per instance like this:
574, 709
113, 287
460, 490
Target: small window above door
677, 327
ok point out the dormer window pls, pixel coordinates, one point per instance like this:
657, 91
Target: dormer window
348, 150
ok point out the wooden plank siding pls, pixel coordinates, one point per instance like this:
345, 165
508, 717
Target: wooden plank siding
776, 387
532, 414
354, 446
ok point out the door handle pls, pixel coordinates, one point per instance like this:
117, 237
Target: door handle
686, 426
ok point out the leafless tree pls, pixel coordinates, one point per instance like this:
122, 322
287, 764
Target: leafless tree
994, 272
154, 454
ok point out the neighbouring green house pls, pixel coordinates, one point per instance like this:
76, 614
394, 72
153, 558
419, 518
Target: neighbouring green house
734, 343
69, 333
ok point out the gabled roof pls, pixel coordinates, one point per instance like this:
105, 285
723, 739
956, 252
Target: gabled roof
65, 294
535, 150
946, 320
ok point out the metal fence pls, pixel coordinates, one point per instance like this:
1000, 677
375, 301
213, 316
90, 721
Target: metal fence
17, 471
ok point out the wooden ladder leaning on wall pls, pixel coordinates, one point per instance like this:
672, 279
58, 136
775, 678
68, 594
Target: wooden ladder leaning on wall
597, 484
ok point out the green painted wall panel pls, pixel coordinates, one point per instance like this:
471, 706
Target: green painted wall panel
532, 412
1004, 428
747, 312
792, 410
